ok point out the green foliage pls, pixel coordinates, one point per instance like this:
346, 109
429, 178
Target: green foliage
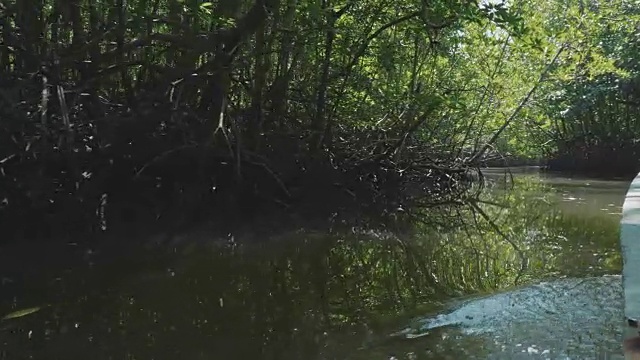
588, 104
105, 95
407, 85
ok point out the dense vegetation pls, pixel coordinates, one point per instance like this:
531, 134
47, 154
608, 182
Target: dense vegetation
164, 111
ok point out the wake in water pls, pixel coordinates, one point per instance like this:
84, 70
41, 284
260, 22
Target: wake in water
561, 319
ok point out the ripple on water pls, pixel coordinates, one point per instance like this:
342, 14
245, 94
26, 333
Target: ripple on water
561, 319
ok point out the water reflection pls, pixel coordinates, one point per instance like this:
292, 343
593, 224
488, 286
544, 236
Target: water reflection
313, 295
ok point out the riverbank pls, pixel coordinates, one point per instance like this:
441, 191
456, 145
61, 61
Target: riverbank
178, 192
606, 160
615, 157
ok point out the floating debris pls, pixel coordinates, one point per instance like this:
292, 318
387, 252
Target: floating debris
23, 312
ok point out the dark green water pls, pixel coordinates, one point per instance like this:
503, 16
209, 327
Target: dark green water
532, 286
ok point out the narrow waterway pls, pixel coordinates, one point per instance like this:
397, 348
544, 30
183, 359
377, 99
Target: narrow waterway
539, 281
572, 309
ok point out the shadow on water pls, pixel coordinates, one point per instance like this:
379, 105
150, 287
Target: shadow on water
469, 293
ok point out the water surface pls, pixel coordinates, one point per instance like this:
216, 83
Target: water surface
539, 280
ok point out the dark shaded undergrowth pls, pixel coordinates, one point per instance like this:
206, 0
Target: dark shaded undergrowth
123, 115
136, 169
